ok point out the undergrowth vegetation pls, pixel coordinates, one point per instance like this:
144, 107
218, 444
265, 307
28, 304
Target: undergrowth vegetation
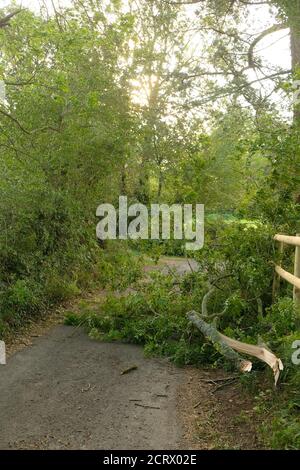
32, 296
238, 261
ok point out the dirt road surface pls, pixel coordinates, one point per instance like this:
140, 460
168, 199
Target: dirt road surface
67, 391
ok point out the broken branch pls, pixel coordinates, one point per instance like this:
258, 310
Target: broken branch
148, 406
257, 351
215, 337
228, 347
129, 369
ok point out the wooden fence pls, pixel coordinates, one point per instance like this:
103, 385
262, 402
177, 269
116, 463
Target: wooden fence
293, 279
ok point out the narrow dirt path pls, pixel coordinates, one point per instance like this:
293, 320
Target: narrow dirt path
66, 391
179, 265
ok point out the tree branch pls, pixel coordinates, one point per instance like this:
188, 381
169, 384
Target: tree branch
260, 37
5, 21
240, 88
26, 131
214, 336
229, 347
15, 121
192, 2
187, 2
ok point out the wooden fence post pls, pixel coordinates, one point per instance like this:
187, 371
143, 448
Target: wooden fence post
276, 280
296, 293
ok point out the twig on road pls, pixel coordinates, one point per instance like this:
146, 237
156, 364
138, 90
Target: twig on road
147, 406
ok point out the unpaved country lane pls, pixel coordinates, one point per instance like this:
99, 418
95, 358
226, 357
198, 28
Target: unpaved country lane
169, 264
66, 391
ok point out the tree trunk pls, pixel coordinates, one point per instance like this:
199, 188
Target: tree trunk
294, 21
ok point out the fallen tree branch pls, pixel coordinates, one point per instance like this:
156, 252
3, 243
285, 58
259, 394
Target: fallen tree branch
148, 406
211, 333
204, 302
257, 351
129, 369
215, 381
228, 347
207, 296
224, 384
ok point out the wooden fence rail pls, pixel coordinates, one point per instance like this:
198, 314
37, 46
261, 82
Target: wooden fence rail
293, 279
295, 241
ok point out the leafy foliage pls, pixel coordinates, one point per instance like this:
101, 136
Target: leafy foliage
110, 98
154, 316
